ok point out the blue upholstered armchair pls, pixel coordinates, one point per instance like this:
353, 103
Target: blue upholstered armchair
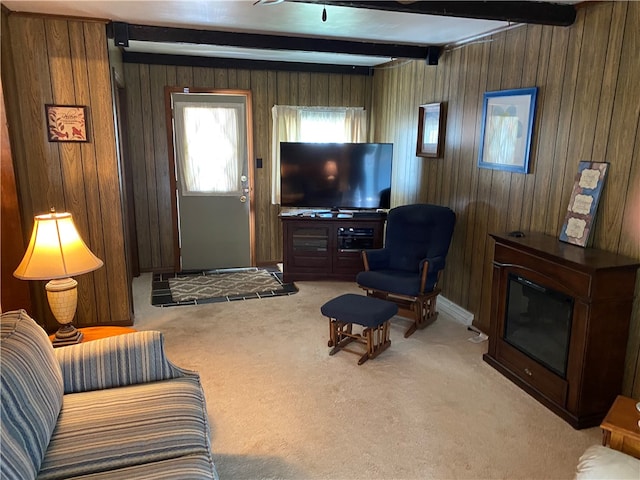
407, 270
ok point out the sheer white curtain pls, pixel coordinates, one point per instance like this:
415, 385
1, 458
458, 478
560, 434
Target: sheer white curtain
207, 140
313, 124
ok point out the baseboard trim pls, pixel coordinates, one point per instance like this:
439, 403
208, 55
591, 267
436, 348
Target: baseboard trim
458, 313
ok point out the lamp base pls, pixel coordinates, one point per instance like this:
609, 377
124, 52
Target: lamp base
67, 335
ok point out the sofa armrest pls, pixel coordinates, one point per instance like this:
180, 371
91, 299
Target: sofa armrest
116, 361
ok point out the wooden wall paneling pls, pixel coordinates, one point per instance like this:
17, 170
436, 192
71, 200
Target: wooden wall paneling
261, 132
346, 92
571, 122
232, 77
335, 91
172, 72
587, 91
147, 134
630, 245
418, 98
111, 214
221, 78
410, 126
166, 228
451, 164
426, 88
320, 89
88, 211
624, 146
609, 79
273, 239
622, 139
244, 79
28, 34
274, 250
203, 77
405, 126
417, 95
451, 160
455, 94
522, 185
631, 379
400, 168
138, 166
626, 114
550, 102
14, 293
512, 78
512, 71
557, 202
442, 90
304, 88
480, 202
184, 77
359, 91
534, 67
589, 84
285, 94
406, 123
34, 164
69, 154
496, 184
468, 191
268, 89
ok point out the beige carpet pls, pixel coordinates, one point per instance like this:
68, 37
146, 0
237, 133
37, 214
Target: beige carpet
426, 408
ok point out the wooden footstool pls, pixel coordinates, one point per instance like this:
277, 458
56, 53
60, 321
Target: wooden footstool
371, 313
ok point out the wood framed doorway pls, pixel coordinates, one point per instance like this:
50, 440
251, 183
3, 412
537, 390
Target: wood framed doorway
212, 203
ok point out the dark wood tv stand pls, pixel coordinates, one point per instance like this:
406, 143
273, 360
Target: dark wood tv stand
602, 286
328, 246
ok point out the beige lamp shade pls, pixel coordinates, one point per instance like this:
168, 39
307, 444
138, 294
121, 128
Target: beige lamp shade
55, 250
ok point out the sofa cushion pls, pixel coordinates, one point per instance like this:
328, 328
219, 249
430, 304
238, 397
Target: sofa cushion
193, 467
31, 394
117, 428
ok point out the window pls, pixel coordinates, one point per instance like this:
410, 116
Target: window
209, 146
313, 124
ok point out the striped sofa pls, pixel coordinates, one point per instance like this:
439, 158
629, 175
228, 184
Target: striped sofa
111, 408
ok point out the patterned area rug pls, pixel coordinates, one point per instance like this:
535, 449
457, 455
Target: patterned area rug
211, 286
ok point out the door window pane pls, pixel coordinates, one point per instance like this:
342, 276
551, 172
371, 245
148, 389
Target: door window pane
210, 157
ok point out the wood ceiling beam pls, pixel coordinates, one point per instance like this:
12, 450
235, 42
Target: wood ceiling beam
216, 62
541, 13
146, 33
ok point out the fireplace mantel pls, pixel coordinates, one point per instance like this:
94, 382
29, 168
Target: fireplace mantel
602, 286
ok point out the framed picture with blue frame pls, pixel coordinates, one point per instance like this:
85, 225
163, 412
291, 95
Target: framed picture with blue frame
508, 117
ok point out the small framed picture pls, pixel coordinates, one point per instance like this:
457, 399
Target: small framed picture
66, 123
431, 121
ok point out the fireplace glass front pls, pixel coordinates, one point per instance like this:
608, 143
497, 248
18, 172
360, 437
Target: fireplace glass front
538, 323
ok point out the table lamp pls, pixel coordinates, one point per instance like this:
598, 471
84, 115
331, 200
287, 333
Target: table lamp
55, 253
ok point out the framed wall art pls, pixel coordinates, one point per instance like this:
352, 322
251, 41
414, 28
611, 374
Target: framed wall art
66, 123
583, 203
507, 126
431, 122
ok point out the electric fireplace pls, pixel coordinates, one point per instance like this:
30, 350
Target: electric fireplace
559, 322
538, 323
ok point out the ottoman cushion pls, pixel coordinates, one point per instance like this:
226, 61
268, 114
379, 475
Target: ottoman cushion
359, 309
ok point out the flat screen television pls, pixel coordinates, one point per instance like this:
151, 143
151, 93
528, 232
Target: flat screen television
335, 175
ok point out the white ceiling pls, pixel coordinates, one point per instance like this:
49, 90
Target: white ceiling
285, 18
